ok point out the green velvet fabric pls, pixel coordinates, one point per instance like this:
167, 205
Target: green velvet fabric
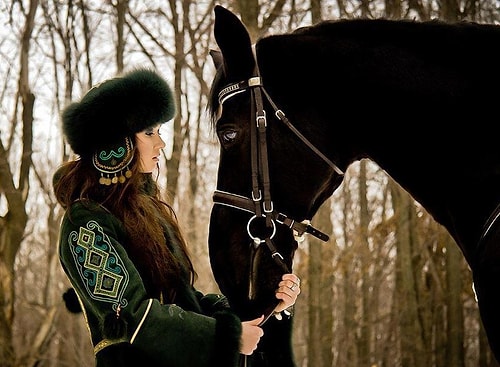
146, 332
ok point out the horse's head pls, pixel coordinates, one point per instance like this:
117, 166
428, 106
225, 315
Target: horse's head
271, 176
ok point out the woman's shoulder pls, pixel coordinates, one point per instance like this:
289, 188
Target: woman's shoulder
83, 211
85, 219
83, 207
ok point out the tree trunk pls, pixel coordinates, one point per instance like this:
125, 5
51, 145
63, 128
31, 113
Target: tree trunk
412, 344
121, 9
321, 293
315, 301
327, 280
14, 222
365, 264
454, 314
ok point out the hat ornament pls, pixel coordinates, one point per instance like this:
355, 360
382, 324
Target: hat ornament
113, 162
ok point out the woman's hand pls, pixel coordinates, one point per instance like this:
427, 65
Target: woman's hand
251, 333
287, 292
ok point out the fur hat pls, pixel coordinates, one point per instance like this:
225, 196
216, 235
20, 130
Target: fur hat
101, 126
116, 109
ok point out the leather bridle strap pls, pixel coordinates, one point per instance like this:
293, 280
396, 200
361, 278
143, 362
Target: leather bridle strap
282, 117
260, 178
260, 175
247, 204
236, 88
254, 148
262, 156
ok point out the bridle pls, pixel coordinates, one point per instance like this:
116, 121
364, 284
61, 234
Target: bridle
260, 204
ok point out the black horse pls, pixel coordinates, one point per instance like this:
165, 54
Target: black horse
418, 98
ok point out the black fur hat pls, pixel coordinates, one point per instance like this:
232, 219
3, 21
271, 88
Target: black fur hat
116, 109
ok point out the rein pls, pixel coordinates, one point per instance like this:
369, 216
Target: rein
260, 203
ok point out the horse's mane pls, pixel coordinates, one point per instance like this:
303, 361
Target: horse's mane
403, 32
466, 43
360, 26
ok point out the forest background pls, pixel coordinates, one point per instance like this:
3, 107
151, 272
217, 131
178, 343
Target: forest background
390, 288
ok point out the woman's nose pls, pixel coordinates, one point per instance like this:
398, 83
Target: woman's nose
160, 142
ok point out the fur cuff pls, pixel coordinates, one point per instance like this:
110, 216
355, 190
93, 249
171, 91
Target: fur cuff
227, 339
71, 301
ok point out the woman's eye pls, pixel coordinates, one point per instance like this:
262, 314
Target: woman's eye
228, 136
152, 132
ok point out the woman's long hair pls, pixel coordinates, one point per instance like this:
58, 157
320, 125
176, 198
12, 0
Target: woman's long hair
150, 222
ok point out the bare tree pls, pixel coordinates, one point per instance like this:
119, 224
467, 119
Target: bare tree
14, 185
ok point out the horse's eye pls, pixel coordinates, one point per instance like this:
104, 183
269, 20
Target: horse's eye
228, 136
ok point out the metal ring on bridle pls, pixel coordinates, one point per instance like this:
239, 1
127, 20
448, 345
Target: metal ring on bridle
254, 238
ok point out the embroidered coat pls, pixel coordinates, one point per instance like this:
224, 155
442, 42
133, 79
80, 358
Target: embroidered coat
198, 331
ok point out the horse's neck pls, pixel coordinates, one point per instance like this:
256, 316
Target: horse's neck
416, 99
385, 69
457, 186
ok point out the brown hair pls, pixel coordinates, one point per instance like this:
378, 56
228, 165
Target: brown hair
149, 221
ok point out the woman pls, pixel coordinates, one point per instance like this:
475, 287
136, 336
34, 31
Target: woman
120, 243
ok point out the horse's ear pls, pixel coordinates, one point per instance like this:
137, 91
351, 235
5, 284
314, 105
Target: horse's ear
234, 42
216, 58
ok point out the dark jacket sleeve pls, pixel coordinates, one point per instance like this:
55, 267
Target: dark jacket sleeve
119, 312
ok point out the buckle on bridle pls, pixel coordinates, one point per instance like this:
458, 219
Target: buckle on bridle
261, 118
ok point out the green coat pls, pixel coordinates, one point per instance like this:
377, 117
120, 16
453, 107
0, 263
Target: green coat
199, 332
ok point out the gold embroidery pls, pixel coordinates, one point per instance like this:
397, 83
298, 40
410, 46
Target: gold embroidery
106, 343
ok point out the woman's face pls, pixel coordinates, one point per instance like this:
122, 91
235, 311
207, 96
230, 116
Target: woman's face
149, 145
